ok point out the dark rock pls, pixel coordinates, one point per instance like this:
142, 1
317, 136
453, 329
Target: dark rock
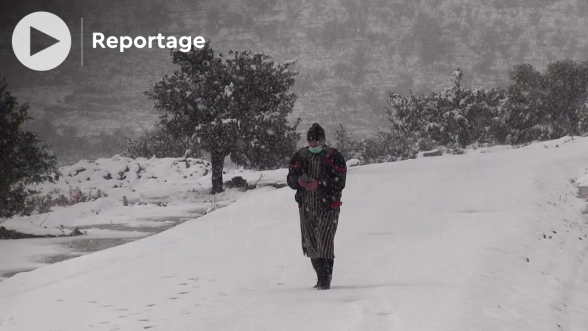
236, 182
433, 153
76, 232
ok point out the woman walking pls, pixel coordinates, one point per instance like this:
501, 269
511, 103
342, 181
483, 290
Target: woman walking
318, 174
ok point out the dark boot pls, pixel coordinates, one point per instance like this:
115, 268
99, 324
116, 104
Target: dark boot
316, 264
325, 276
330, 263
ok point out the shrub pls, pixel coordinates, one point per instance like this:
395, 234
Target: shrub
24, 159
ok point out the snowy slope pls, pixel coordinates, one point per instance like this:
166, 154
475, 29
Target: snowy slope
446, 243
159, 193
181, 185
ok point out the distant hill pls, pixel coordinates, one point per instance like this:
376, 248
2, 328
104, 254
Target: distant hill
350, 53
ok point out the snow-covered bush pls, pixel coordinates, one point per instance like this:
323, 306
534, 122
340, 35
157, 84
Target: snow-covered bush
457, 116
537, 107
42, 203
385, 147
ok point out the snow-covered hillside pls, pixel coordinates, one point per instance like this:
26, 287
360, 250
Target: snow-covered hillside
146, 186
131, 199
491, 240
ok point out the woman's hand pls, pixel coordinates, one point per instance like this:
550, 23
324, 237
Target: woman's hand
309, 186
302, 182
312, 186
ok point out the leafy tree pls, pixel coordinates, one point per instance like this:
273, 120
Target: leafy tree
233, 106
549, 105
538, 106
568, 87
23, 159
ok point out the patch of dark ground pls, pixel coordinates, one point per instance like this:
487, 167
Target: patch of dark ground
10, 273
13, 234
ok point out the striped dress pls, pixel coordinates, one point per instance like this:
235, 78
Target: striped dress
318, 224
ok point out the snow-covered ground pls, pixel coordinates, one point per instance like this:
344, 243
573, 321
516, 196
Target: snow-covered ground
153, 188
491, 240
159, 193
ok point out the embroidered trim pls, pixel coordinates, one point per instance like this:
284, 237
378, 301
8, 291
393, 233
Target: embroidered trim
330, 162
336, 204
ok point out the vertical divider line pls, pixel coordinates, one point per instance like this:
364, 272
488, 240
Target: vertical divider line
82, 38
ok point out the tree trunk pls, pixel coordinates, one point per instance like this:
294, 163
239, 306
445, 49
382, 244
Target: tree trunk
218, 159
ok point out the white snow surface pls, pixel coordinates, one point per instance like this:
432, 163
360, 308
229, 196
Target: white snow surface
159, 192
353, 162
180, 185
490, 240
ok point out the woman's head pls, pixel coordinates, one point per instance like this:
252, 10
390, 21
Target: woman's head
315, 135
316, 138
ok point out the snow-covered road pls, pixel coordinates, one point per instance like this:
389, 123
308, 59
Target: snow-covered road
484, 241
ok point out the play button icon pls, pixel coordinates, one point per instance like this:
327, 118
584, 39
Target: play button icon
41, 41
